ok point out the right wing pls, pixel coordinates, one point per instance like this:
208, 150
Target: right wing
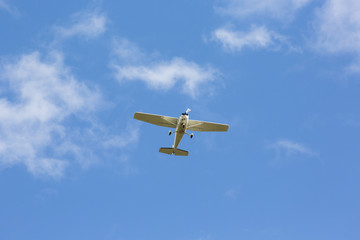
159, 120
202, 126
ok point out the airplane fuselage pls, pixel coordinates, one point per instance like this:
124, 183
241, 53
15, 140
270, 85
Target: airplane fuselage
180, 129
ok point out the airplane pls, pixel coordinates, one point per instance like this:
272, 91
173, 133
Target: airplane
180, 124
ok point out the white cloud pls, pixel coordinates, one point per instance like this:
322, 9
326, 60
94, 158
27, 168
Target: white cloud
130, 135
127, 50
3, 4
127, 169
161, 75
288, 148
337, 26
39, 98
231, 193
88, 24
258, 12
354, 67
205, 237
46, 193
164, 75
10, 9
337, 30
277, 9
257, 37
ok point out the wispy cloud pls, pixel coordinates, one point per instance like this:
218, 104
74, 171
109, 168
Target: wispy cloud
87, 24
127, 51
134, 65
337, 28
231, 193
39, 98
204, 237
277, 9
10, 9
354, 67
337, 25
257, 37
287, 148
45, 94
127, 169
129, 136
165, 74
46, 193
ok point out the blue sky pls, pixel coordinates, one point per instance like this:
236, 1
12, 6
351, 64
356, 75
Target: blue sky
284, 75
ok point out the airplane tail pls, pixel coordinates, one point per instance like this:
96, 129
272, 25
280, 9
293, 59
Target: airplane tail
177, 152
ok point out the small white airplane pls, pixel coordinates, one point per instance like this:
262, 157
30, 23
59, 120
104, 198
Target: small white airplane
181, 124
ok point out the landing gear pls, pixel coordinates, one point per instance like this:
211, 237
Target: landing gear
191, 135
170, 132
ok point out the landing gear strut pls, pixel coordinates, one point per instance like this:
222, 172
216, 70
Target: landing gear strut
191, 135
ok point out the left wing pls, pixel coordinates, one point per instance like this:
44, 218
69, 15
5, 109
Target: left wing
194, 125
159, 120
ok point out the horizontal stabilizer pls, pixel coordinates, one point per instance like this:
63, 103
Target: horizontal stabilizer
167, 150
177, 152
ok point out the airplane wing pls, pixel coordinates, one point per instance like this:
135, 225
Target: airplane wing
159, 120
194, 125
